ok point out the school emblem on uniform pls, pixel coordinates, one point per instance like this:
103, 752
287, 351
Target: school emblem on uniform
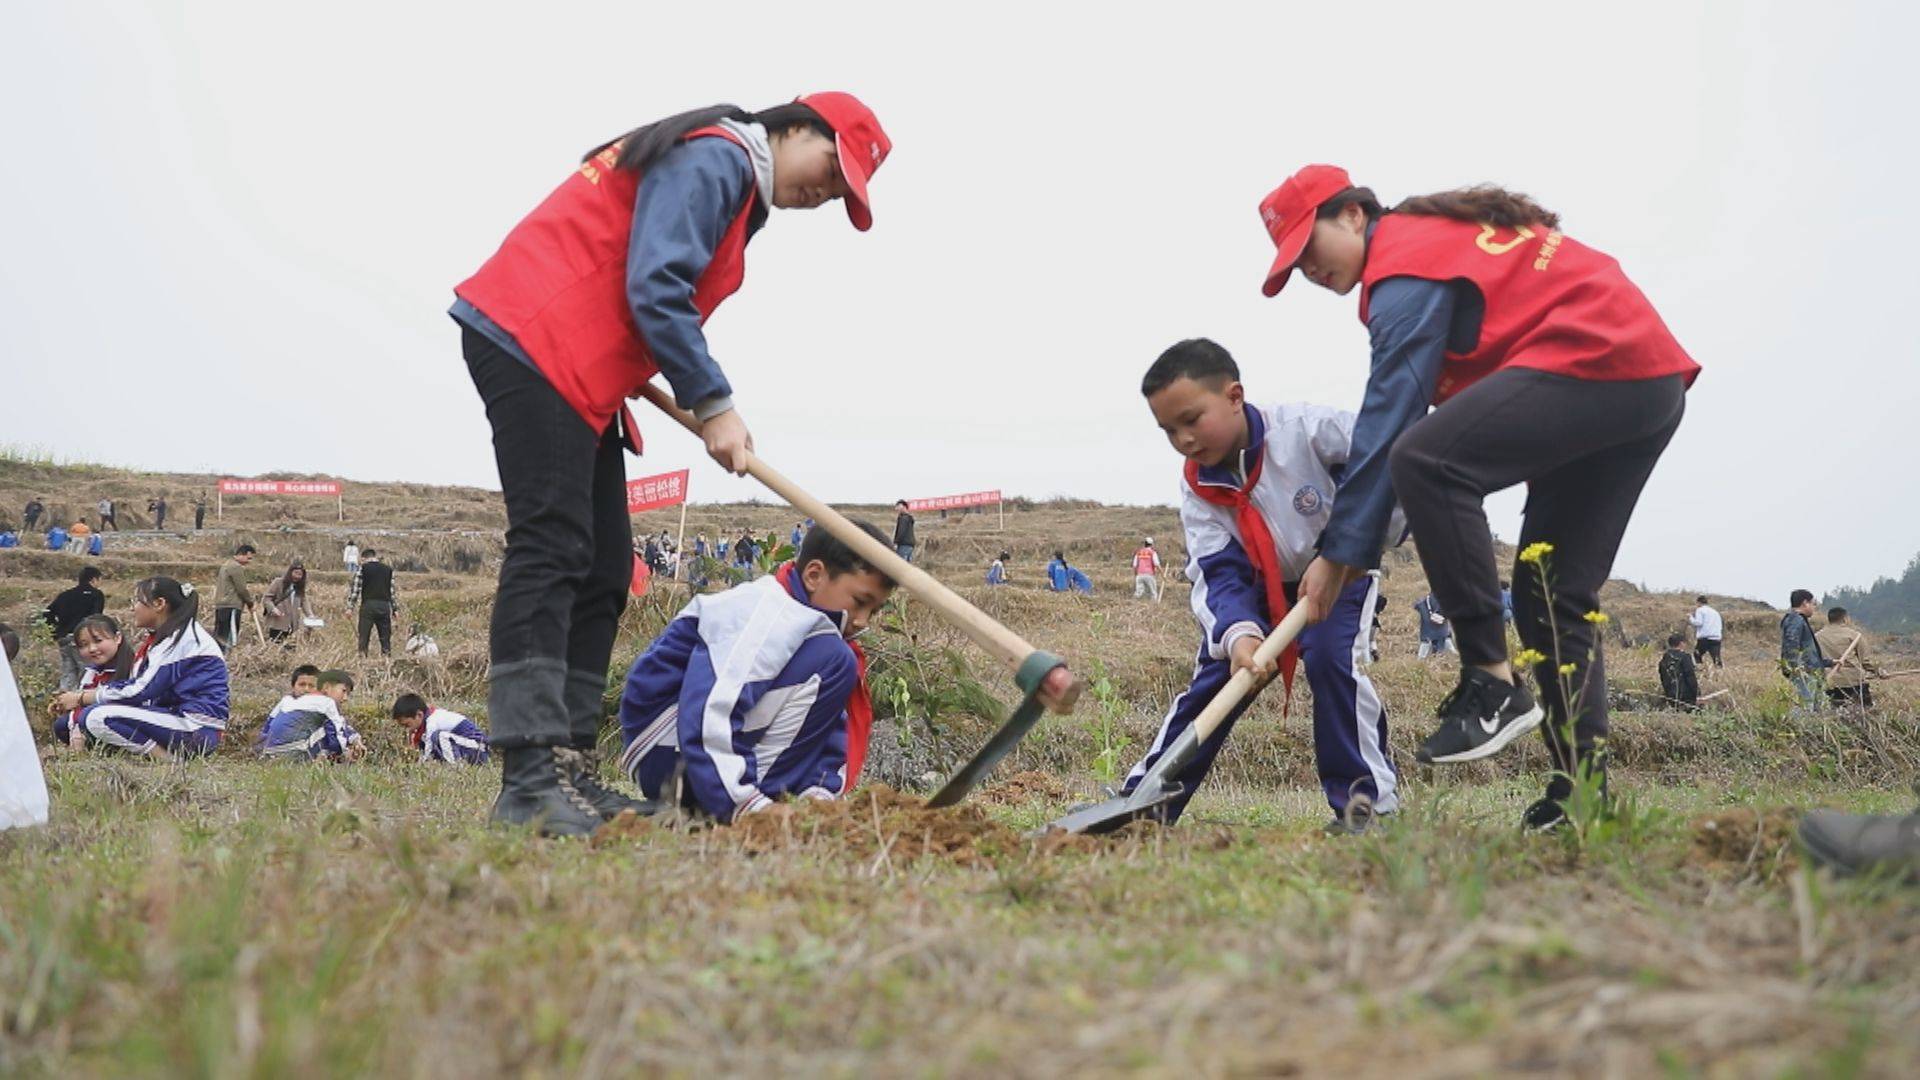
1308, 501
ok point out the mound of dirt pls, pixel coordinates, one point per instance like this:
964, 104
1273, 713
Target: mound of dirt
1029, 786
874, 821
1757, 840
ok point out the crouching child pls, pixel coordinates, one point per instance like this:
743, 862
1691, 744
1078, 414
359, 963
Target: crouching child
758, 693
175, 703
440, 734
311, 727
109, 659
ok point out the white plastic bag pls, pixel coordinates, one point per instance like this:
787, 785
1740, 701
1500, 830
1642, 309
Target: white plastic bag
23, 788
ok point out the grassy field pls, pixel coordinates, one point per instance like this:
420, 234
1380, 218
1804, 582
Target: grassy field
227, 917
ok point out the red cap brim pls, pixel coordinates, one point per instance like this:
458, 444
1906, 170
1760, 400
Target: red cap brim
856, 173
1291, 245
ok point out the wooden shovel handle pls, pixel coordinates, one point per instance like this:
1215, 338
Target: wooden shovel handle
1243, 681
1005, 645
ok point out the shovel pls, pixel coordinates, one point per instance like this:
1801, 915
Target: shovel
1033, 671
1157, 789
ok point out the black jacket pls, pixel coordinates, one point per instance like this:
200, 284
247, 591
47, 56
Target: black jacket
1679, 679
903, 530
71, 606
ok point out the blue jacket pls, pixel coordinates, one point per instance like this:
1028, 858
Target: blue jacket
1799, 648
1057, 579
1428, 607
747, 691
452, 738
186, 676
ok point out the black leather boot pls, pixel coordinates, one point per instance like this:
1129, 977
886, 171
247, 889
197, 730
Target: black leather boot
537, 789
584, 697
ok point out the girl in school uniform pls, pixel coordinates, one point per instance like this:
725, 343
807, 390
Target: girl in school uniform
175, 701
603, 285
1545, 366
108, 658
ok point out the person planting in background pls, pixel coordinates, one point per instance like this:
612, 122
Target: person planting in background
997, 573
1708, 629
63, 617
284, 606
1679, 678
230, 595
1436, 637
1548, 367
440, 734
372, 593
311, 727
1847, 684
760, 692
108, 658
1255, 492
603, 285
176, 700
1801, 660
1146, 571
903, 541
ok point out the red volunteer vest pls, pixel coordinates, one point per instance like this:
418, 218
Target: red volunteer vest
1143, 561
558, 284
1552, 303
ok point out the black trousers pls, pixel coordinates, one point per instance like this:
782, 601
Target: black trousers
226, 625
376, 615
1705, 647
569, 560
1585, 450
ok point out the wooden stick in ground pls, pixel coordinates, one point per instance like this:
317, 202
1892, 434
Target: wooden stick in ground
1001, 643
257, 628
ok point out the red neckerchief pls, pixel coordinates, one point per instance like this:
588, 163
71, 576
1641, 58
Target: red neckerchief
419, 736
1255, 537
859, 703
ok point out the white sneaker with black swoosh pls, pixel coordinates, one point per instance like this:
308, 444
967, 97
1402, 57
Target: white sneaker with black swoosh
1479, 719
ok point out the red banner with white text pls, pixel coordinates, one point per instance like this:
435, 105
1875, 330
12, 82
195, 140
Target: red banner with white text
955, 502
654, 492
279, 487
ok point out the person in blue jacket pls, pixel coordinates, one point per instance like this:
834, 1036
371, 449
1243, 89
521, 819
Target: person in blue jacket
754, 694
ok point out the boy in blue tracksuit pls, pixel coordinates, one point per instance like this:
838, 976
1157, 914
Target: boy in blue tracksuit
1257, 490
758, 693
311, 727
441, 734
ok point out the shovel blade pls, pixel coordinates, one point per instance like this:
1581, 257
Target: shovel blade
1150, 802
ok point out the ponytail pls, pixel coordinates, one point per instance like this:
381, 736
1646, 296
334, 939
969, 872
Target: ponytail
1483, 204
644, 145
183, 606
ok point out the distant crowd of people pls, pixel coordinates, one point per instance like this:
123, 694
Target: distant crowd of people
35, 519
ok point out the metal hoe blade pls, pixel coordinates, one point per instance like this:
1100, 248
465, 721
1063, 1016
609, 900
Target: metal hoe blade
1149, 799
1032, 674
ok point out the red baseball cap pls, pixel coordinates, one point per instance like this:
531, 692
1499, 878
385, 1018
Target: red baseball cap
862, 145
1287, 212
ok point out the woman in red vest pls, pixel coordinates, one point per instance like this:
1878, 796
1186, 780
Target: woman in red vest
602, 286
1548, 367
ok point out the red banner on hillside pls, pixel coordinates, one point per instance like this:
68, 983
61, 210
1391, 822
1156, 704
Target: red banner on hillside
955, 502
654, 492
279, 487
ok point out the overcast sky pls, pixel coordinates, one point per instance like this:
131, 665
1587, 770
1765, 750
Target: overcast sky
234, 229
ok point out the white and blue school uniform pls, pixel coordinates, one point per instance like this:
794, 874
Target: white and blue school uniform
176, 699
452, 738
743, 699
1306, 450
305, 728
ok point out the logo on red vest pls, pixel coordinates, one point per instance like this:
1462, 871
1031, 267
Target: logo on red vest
1308, 501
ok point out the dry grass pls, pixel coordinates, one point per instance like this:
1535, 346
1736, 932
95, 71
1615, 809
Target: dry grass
231, 917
